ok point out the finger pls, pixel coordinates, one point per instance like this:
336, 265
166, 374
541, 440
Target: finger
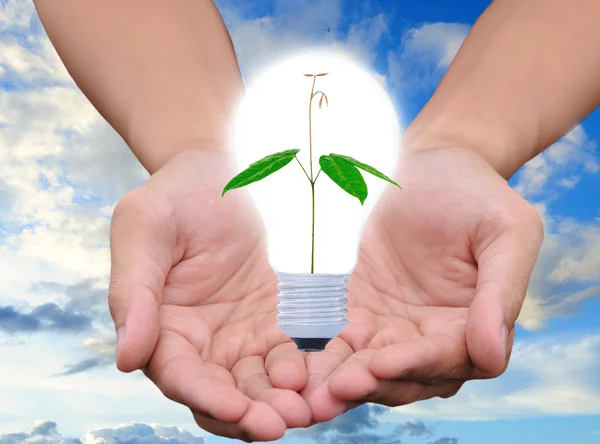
326, 403
506, 250
220, 428
286, 367
252, 379
262, 423
256, 425
140, 245
320, 365
354, 383
207, 389
353, 380
432, 359
399, 393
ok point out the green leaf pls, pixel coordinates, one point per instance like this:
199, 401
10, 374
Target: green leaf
261, 169
365, 167
345, 175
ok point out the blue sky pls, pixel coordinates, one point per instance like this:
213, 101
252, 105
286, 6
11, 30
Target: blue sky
62, 168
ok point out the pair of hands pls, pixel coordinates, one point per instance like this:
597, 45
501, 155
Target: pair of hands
441, 277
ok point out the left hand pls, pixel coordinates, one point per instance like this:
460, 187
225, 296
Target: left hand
194, 301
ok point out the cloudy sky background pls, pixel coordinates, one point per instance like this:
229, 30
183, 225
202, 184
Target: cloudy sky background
62, 169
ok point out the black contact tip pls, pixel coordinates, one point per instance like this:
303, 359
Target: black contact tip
311, 344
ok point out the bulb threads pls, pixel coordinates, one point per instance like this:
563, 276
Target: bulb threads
312, 308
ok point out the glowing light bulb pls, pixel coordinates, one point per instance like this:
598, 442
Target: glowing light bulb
360, 121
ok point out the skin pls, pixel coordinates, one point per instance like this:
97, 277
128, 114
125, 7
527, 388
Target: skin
444, 264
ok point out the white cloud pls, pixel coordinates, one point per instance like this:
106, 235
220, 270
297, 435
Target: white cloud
581, 256
569, 183
46, 432
310, 16
424, 55
71, 251
23, 62
566, 273
25, 51
31, 391
261, 41
105, 345
566, 377
293, 27
62, 167
101, 164
142, 434
574, 152
364, 37
98, 352
36, 120
43, 432
15, 15
438, 41
17, 273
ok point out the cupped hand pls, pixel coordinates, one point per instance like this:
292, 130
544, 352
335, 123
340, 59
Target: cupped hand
443, 270
194, 301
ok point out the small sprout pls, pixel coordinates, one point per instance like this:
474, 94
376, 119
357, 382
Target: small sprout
343, 170
323, 96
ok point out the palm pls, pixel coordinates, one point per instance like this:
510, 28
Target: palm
417, 275
411, 292
217, 317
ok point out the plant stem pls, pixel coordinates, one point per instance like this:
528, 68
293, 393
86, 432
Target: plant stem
312, 94
302, 166
312, 257
317, 176
312, 182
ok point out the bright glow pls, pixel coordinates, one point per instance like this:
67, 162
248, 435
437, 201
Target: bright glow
360, 122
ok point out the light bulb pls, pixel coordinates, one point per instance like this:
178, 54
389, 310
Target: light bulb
360, 121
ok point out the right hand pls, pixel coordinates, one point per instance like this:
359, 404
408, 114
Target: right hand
194, 301
442, 273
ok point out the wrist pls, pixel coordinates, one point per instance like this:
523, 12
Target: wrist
156, 139
196, 154
504, 146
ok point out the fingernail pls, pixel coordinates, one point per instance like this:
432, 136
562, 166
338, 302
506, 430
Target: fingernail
120, 337
505, 335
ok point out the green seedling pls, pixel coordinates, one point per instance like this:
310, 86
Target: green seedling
342, 170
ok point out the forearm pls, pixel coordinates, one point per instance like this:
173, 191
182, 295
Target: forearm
162, 73
526, 74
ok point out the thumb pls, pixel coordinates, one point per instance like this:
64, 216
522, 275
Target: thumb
506, 249
140, 262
